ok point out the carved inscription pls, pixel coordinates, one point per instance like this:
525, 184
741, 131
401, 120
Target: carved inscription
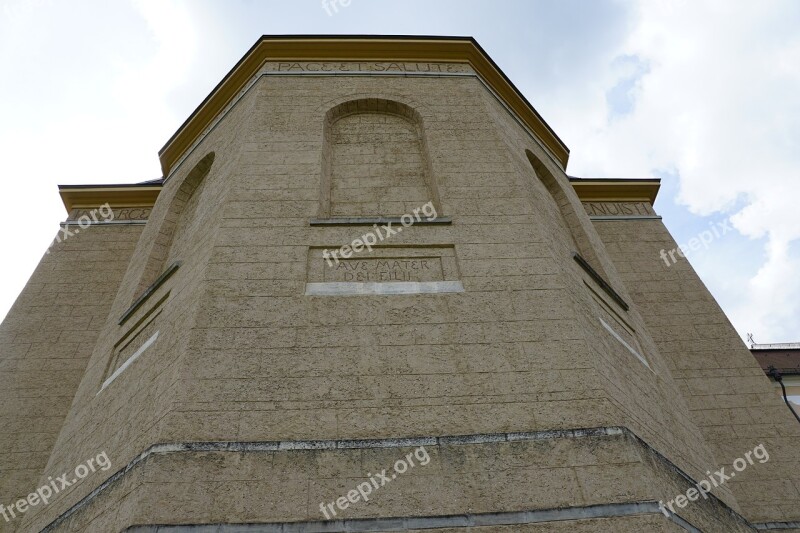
325, 66
618, 209
383, 270
120, 213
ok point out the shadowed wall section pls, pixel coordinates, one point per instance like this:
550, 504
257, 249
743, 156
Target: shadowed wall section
180, 216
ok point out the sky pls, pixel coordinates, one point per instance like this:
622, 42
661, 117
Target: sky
702, 94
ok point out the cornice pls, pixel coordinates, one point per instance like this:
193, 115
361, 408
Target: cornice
609, 190
88, 196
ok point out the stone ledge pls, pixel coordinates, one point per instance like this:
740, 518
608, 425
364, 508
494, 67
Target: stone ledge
412, 523
653, 458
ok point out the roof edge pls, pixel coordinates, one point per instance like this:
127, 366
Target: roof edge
610, 190
357, 48
125, 195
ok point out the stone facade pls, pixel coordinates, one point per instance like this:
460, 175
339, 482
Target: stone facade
237, 380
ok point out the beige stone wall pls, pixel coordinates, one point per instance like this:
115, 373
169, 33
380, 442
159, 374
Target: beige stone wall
244, 356
45, 344
730, 399
287, 366
260, 361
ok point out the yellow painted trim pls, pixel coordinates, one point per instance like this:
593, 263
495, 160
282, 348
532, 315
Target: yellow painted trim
356, 49
122, 196
617, 191
145, 196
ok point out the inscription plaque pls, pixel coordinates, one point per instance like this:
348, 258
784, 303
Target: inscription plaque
387, 270
380, 270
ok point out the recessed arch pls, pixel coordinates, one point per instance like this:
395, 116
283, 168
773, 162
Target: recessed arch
567, 217
179, 218
375, 160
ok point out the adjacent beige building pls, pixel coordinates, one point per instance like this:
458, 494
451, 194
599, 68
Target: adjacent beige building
495, 346
781, 362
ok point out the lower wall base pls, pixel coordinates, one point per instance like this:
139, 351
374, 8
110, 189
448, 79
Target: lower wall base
499, 481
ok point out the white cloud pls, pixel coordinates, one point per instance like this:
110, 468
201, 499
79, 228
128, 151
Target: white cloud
720, 105
91, 105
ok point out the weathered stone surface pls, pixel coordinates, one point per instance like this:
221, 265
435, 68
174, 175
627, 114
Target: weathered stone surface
258, 400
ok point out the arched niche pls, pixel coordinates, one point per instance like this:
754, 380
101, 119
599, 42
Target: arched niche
177, 224
567, 217
375, 161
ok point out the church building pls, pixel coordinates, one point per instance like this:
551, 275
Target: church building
366, 295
